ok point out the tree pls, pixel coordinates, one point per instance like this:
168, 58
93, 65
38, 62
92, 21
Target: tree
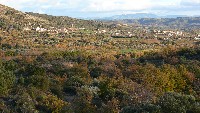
83, 101
38, 81
52, 104
172, 102
142, 108
24, 103
7, 79
107, 88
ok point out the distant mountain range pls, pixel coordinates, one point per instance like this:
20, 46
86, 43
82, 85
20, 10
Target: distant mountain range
139, 16
171, 23
131, 16
14, 19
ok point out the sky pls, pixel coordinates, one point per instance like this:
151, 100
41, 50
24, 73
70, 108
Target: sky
105, 8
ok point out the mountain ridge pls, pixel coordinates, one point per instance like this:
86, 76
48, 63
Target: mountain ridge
19, 20
140, 16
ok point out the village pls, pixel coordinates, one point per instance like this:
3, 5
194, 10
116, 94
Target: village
120, 36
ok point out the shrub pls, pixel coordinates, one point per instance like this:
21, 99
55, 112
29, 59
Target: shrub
176, 103
38, 81
7, 79
142, 108
52, 104
25, 104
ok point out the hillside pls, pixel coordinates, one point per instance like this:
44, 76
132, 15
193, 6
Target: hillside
32, 30
11, 18
38, 31
64, 21
174, 23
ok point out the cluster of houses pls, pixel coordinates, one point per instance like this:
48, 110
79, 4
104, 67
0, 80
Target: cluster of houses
197, 37
53, 30
169, 33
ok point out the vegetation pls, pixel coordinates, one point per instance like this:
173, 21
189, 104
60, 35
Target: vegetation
90, 83
48, 65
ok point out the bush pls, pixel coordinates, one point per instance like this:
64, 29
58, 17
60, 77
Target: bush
83, 101
35, 70
142, 108
95, 72
52, 104
11, 65
25, 104
41, 82
107, 89
56, 88
7, 79
176, 103
6, 46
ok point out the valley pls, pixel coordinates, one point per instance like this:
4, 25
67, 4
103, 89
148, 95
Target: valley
59, 64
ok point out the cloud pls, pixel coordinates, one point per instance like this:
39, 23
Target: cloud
116, 5
86, 5
101, 7
190, 3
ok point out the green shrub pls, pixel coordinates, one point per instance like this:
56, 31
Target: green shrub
176, 103
7, 79
10, 53
142, 108
41, 82
25, 104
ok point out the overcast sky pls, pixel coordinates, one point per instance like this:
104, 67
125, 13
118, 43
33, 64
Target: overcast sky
102, 8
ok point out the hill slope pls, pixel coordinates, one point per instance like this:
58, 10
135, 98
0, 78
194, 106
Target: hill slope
13, 19
64, 21
174, 23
